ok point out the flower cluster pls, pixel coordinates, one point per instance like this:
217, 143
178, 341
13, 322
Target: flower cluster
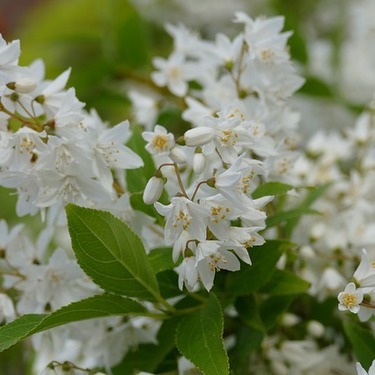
235, 94
235, 175
52, 150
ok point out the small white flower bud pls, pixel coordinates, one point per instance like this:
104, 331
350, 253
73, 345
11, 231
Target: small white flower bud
24, 85
199, 136
177, 155
317, 231
316, 329
199, 162
153, 190
290, 320
307, 252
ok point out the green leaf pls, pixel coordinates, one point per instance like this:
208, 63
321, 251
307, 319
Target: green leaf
363, 342
252, 278
273, 308
168, 284
248, 310
316, 87
19, 329
199, 339
289, 215
155, 353
136, 201
93, 307
284, 282
271, 188
161, 259
110, 253
247, 340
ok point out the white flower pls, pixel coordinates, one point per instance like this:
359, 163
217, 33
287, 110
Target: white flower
187, 274
57, 283
160, 142
9, 52
109, 151
365, 274
173, 73
145, 107
212, 257
350, 299
7, 311
362, 371
183, 214
221, 213
6, 235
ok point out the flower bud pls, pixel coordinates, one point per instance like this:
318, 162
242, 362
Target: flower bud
177, 155
307, 252
199, 162
290, 320
153, 190
23, 85
199, 136
316, 329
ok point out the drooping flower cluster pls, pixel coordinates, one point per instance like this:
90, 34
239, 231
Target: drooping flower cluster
242, 134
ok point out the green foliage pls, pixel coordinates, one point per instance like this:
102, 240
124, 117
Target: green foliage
271, 188
283, 282
110, 253
363, 342
155, 353
200, 339
251, 279
247, 341
161, 259
94, 307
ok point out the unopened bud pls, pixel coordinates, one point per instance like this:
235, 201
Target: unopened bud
177, 155
307, 252
199, 136
22, 86
153, 190
290, 320
316, 329
199, 162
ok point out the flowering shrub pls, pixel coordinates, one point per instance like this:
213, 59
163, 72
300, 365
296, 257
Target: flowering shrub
226, 245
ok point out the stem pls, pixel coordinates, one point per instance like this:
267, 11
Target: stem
163, 302
197, 188
367, 304
19, 118
180, 183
